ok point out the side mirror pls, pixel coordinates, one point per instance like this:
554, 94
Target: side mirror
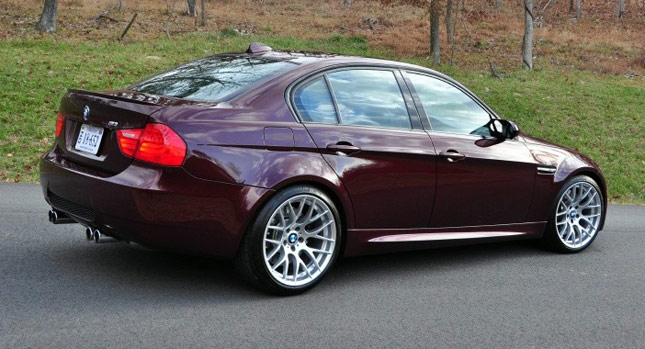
503, 129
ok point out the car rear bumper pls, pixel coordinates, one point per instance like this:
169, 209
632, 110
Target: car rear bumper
158, 207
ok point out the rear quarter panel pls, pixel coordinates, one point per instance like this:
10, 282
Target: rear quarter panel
247, 142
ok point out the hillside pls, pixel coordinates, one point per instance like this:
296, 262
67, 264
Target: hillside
587, 90
597, 42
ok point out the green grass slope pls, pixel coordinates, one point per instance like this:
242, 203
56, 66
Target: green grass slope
603, 116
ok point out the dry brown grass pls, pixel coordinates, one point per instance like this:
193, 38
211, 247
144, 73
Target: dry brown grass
597, 42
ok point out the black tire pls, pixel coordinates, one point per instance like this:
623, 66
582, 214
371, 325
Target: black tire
250, 262
551, 240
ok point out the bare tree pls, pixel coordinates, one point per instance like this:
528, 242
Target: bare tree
119, 5
127, 27
454, 25
621, 9
435, 9
538, 18
171, 12
527, 42
347, 3
571, 6
203, 13
578, 12
47, 22
191, 7
450, 23
498, 4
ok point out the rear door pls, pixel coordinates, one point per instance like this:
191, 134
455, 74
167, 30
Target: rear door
373, 140
95, 145
480, 180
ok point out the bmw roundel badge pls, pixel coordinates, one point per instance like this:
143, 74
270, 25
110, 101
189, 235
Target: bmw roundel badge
86, 112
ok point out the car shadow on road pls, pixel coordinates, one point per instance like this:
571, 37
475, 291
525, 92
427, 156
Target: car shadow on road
121, 268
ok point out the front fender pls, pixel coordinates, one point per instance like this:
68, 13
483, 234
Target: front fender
577, 165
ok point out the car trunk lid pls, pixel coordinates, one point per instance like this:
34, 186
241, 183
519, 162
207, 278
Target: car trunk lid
104, 113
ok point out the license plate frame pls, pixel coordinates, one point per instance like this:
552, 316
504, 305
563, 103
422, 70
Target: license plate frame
89, 139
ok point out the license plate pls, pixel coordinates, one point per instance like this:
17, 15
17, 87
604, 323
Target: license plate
89, 139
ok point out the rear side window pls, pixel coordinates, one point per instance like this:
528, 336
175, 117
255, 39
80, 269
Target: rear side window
449, 109
369, 98
212, 79
314, 102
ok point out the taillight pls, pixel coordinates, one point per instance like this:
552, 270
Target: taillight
128, 140
159, 144
156, 143
60, 122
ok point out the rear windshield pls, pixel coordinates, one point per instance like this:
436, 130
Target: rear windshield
212, 79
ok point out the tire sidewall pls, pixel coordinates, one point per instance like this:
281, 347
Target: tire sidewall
256, 236
553, 235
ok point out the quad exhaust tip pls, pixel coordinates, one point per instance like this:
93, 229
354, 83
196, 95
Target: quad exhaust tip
93, 234
58, 217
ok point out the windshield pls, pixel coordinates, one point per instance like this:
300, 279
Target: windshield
212, 79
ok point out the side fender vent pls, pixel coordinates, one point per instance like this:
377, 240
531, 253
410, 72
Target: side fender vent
546, 171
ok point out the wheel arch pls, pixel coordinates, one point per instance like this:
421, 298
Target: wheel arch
247, 257
600, 181
335, 192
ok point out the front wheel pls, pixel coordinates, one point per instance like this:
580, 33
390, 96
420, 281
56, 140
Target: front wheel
292, 243
577, 215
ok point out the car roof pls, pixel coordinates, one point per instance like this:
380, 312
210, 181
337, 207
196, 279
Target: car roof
322, 59
305, 63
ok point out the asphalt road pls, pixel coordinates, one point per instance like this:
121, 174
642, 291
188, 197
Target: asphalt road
58, 290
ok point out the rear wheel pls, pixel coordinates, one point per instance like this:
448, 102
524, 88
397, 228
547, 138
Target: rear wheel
575, 220
292, 243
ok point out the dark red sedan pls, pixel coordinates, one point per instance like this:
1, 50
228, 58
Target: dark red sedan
285, 161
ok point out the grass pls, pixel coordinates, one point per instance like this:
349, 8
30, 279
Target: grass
601, 115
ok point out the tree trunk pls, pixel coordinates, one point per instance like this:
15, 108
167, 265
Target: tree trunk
450, 23
571, 6
621, 8
171, 12
498, 4
127, 27
578, 9
203, 13
347, 3
191, 7
119, 5
454, 25
435, 9
47, 22
527, 42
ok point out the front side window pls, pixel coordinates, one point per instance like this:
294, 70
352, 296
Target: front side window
314, 102
369, 98
449, 109
212, 79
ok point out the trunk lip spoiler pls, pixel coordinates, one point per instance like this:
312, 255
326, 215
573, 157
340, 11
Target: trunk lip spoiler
130, 96
122, 95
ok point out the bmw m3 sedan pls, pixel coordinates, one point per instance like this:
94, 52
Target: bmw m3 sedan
285, 161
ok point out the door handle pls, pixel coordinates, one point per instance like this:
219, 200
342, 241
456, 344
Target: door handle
452, 155
343, 148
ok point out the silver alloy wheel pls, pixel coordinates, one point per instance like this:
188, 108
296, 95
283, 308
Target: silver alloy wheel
578, 215
299, 240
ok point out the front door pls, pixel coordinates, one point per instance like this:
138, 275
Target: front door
360, 121
480, 180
